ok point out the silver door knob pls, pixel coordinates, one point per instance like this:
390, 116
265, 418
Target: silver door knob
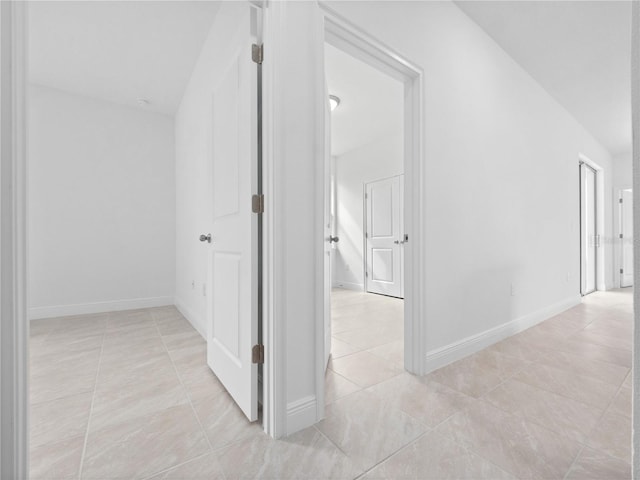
397, 242
205, 238
333, 239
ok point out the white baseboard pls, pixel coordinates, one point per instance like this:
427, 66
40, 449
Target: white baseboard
301, 414
195, 320
348, 286
455, 351
98, 307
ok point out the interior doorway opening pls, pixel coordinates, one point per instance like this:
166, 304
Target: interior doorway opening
589, 236
366, 225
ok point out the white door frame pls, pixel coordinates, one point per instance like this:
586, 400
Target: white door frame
14, 327
618, 255
347, 37
601, 216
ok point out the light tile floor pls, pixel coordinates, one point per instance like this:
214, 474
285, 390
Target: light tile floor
128, 395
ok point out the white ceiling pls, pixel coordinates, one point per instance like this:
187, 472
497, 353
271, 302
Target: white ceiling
371, 102
118, 50
579, 51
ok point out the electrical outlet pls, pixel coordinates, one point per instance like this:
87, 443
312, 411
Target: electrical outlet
204, 289
513, 290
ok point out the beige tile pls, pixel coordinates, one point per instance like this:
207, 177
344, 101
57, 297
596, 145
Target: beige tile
601, 353
64, 383
41, 327
175, 326
303, 455
562, 325
223, 421
206, 467
180, 340
57, 460
392, 352
367, 429
479, 373
594, 465
167, 312
336, 386
70, 361
516, 445
201, 382
561, 414
542, 340
118, 372
434, 457
127, 352
340, 348
612, 435
364, 369
615, 327
144, 446
116, 403
372, 335
189, 357
603, 371
624, 343
621, 403
518, 348
427, 401
128, 321
577, 387
128, 333
58, 346
82, 324
59, 419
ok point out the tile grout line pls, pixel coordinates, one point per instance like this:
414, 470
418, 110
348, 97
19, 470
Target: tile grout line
184, 388
93, 399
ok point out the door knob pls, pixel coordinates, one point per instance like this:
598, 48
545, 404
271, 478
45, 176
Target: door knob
333, 239
397, 242
205, 238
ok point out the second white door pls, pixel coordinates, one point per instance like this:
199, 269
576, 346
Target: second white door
384, 236
626, 237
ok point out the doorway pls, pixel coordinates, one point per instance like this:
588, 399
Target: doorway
625, 212
340, 35
366, 310
589, 237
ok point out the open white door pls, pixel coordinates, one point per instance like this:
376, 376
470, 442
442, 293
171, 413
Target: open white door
589, 238
328, 235
626, 237
233, 260
384, 236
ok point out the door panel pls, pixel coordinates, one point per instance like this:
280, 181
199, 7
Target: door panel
626, 229
327, 227
589, 238
382, 264
233, 259
384, 236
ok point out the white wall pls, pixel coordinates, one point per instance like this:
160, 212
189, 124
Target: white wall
500, 176
622, 174
375, 161
101, 204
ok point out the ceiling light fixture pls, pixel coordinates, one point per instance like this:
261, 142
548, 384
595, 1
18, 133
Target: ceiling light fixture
333, 102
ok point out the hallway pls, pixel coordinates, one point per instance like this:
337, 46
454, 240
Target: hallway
128, 395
